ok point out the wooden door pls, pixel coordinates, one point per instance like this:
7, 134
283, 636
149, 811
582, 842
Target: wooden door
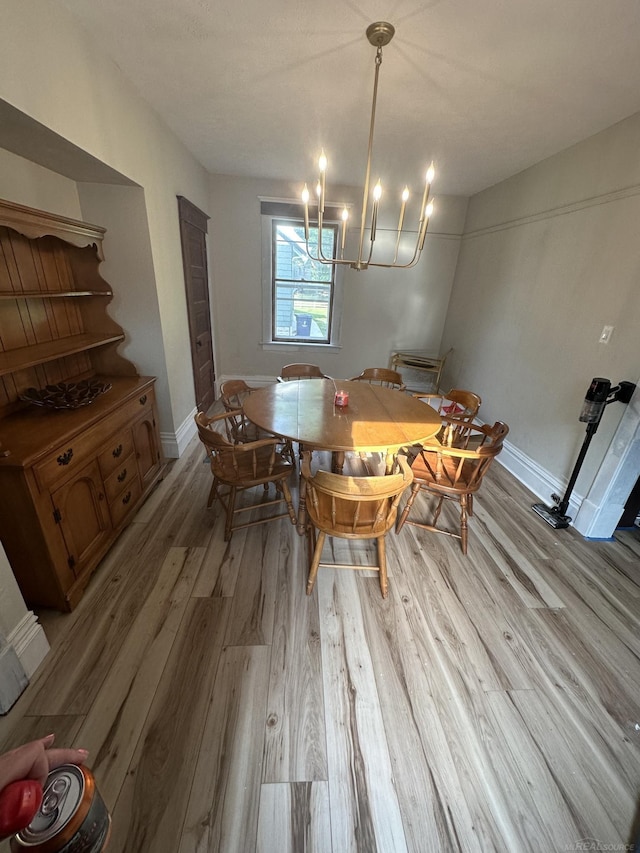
193, 233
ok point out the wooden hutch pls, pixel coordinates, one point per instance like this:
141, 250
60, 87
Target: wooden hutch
70, 478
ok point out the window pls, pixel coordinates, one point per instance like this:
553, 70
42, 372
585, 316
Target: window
300, 296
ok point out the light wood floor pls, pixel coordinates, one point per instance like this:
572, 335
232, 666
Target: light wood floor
491, 703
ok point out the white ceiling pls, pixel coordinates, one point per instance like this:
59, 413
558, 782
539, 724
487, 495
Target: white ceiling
485, 88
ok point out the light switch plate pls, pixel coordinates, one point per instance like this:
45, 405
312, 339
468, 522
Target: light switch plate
605, 335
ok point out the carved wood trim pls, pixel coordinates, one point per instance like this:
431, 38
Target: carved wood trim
36, 223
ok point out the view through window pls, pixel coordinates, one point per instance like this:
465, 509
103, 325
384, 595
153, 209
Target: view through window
302, 289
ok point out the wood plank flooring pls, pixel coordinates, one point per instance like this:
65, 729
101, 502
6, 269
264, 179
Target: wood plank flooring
491, 703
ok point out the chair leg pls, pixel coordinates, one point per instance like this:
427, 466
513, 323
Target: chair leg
313, 571
311, 543
382, 566
337, 461
288, 452
287, 497
212, 493
436, 514
415, 488
228, 532
463, 523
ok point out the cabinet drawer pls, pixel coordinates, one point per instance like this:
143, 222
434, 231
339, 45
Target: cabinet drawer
120, 479
117, 448
143, 402
125, 501
66, 459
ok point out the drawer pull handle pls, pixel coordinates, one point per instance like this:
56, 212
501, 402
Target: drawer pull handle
143, 399
126, 498
65, 458
117, 452
122, 475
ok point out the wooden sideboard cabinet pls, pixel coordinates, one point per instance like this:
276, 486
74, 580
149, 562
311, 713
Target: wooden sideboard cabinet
70, 479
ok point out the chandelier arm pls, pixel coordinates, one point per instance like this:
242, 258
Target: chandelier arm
380, 265
395, 254
415, 257
368, 261
365, 196
321, 256
332, 261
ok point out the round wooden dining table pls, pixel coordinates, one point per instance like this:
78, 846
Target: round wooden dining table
375, 419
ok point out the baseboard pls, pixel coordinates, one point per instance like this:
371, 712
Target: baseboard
13, 678
536, 478
174, 444
30, 643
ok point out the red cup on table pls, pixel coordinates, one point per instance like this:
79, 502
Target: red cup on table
341, 399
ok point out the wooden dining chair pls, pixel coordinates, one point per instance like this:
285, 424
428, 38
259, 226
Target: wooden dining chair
455, 474
300, 371
233, 393
351, 508
381, 376
244, 466
457, 407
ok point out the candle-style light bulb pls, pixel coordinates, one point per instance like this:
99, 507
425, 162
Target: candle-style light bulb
405, 198
318, 189
345, 217
428, 212
422, 223
305, 201
322, 165
377, 192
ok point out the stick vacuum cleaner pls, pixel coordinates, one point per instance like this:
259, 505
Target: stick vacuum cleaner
599, 395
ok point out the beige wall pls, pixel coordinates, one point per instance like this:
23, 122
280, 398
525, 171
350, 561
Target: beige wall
56, 74
548, 258
383, 309
27, 183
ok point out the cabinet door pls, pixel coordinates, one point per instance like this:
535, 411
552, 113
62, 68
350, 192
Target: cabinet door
145, 442
83, 515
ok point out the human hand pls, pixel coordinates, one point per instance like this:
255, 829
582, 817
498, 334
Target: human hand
23, 772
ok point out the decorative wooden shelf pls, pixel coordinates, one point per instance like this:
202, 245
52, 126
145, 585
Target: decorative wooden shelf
24, 357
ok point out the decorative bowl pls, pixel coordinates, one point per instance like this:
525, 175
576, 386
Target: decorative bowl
66, 395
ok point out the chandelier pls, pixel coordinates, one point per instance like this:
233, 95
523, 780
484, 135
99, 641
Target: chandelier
379, 35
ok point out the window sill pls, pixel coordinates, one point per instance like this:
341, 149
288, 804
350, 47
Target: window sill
273, 346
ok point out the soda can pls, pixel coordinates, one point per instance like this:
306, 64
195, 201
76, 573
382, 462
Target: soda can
71, 817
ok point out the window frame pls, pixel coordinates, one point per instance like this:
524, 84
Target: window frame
272, 211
